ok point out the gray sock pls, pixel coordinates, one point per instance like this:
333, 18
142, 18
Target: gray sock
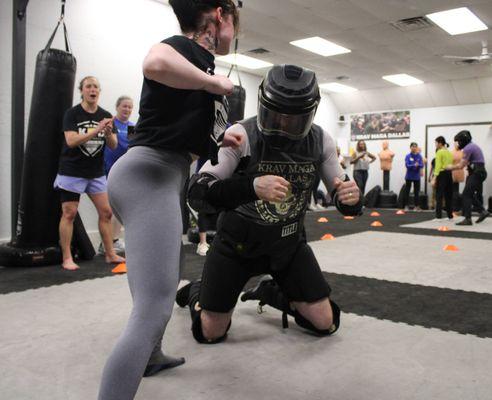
159, 361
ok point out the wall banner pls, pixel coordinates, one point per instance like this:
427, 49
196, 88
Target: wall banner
380, 126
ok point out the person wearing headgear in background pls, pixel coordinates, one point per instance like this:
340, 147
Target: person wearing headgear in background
442, 178
263, 189
183, 113
474, 160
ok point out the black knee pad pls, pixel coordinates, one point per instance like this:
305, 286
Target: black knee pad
306, 324
196, 329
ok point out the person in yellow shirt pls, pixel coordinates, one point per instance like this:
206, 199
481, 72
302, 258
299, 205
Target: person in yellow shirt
443, 178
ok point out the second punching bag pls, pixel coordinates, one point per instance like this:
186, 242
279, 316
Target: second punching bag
237, 101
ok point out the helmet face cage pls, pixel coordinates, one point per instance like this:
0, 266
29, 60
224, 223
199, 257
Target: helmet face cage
292, 126
463, 138
287, 105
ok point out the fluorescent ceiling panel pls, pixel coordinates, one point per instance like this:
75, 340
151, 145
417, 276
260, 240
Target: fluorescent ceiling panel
244, 61
320, 46
337, 88
403, 80
457, 21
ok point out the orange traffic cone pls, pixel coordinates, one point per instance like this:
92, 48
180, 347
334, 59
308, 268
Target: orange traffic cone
328, 236
375, 214
376, 223
400, 212
119, 269
444, 229
323, 219
450, 247
348, 217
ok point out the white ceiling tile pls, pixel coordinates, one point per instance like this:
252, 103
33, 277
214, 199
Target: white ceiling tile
467, 91
341, 102
375, 100
390, 10
419, 96
397, 98
442, 93
356, 103
465, 72
485, 86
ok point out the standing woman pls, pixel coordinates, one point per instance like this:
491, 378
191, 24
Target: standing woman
361, 160
414, 164
122, 126
443, 180
182, 113
87, 130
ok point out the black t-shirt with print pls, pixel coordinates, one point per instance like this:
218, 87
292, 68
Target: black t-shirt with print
86, 160
181, 120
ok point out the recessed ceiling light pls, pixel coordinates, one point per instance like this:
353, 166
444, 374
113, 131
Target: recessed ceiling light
457, 21
244, 61
320, 46
403, 79
337, 88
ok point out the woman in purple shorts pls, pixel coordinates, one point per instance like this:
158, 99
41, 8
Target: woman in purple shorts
87, 129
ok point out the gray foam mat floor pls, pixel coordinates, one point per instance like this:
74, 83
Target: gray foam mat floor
55, 349
415, 325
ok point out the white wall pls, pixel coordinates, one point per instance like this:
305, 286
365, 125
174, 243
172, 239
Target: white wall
327, 116
109, 39
420, 117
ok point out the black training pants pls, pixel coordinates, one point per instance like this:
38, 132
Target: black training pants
472, 194
444, 189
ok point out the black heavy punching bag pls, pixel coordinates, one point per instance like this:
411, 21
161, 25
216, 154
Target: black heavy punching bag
36, 238
236, 101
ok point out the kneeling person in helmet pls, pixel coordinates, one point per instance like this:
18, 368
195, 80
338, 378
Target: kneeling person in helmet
263, 188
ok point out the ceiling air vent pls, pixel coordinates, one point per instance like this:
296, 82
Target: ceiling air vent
413, 24
259, 50
467, 61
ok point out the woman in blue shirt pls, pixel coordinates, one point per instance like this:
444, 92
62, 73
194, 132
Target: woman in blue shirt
414, 163
122, 127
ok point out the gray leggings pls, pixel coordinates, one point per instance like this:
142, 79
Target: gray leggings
144, 189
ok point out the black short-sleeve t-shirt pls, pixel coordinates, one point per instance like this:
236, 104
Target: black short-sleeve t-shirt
181, 120
86, 160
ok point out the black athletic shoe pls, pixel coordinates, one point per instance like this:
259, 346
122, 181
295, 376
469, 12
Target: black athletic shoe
261, 291
465, 222
183, 295
482, 216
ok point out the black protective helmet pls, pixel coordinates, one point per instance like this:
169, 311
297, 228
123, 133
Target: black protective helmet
287, 101
463, 138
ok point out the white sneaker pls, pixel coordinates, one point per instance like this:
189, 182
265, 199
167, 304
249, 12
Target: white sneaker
119, 245
202, 249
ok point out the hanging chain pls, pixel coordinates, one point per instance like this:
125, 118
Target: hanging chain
62, 14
